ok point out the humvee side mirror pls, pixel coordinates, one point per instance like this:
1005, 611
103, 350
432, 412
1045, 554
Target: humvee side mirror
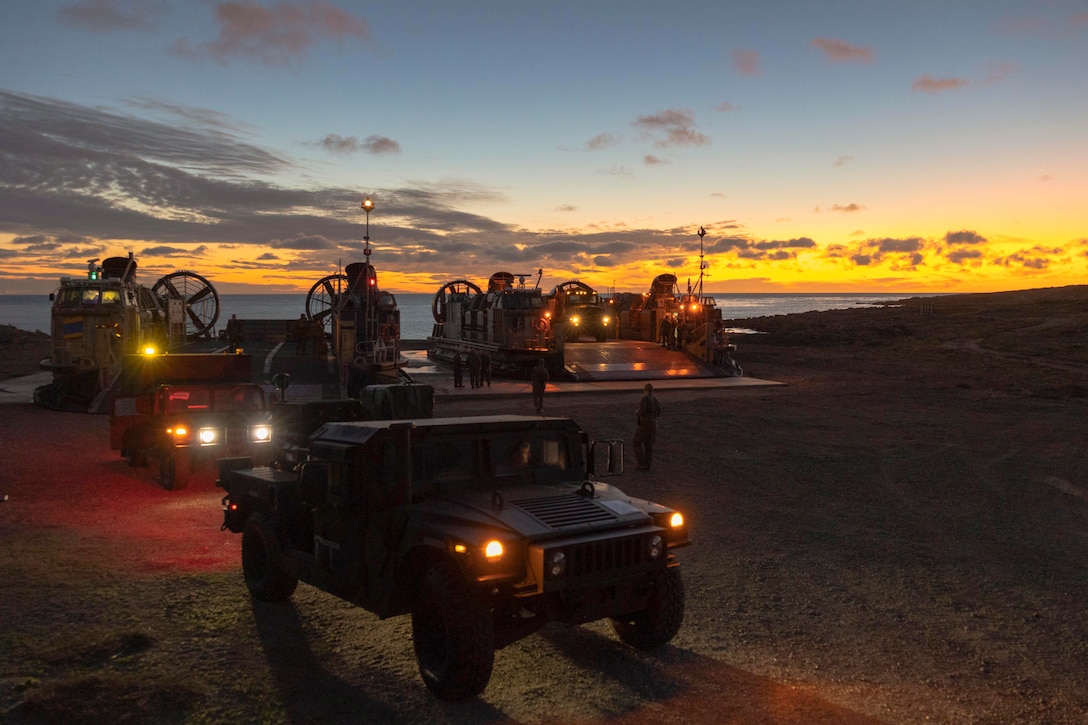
281, 381
605, 458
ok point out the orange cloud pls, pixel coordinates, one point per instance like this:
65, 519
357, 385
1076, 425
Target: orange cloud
746, 62
929, 84
278, 34
839, 51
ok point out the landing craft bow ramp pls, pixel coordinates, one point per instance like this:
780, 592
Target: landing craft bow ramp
632, 360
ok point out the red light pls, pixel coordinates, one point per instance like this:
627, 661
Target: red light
234, 507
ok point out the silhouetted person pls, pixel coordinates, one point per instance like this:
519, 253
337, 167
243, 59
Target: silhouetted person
301, 331
485, 368
234, 333
474, 369
317, 334
458, 371
646, 430
540, 382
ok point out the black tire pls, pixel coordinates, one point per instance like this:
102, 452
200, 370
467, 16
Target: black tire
135, 458
453, 634
173, 471
265, 566
661, 620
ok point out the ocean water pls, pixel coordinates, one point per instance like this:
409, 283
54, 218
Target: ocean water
32, 312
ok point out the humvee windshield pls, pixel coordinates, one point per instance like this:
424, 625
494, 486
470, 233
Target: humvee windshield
222, 399
454, 463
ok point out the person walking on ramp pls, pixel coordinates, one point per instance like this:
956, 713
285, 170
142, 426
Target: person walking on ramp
649, 410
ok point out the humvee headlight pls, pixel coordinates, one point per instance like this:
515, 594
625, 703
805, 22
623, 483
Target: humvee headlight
655, 546
605, 320
493, 549
260, 433
576, 320
150, 350
207, 436
555, 564
676, 520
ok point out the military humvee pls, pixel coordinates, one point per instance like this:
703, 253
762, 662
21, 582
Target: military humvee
484, 529
186, 410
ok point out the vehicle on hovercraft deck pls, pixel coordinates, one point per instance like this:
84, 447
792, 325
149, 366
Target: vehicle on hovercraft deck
509, 322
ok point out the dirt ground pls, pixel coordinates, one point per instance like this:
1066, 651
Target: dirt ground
899, 535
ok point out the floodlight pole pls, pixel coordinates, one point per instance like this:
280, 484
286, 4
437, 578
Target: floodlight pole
706, 313
371, 314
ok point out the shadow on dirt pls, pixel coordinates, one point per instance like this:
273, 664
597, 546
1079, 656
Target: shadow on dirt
702, 688
311, 693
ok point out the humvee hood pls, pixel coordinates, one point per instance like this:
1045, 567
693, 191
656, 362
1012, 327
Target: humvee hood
536, 511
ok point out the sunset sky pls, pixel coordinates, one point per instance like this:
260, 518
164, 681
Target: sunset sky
825, 146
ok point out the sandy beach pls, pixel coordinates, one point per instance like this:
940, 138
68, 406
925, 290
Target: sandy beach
897, 535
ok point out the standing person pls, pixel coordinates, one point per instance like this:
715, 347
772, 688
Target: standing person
317, 334
234, 333
474, 368
666, 332
540, 382
458, 371
301, 332
485, 368
646, 431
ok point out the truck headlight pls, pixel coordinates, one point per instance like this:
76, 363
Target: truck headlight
575, 320
260, 433
676, 520
493, 550
208, 436
555, 564
605, 320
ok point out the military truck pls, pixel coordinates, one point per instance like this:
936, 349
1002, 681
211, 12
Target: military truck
483, 529
578, 311
184, 411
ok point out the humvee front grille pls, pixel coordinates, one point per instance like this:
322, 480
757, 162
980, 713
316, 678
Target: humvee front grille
561, 512
604, 557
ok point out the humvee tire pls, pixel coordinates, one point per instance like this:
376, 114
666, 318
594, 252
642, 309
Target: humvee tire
264, 564
661, 620
173, 471
135, 458
453, 635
